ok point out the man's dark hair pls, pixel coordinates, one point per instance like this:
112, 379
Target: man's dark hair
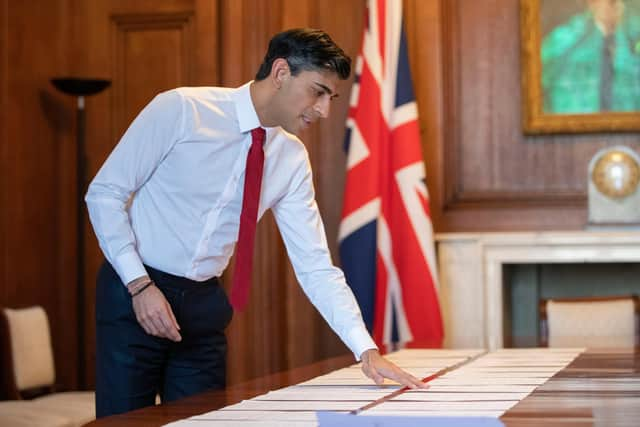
305, 49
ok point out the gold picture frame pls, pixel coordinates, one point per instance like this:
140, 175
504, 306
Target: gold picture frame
536, 114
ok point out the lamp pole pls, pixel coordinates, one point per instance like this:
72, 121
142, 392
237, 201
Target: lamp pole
80, 87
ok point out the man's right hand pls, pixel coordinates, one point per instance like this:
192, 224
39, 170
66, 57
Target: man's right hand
155, 315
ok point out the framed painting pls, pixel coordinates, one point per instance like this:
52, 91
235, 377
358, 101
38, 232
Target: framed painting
580, 65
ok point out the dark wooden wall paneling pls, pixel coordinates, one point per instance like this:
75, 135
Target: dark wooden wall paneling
482, 172
36, 146
495, 177
4, 149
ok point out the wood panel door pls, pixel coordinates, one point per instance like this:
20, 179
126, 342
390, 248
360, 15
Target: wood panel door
144, 47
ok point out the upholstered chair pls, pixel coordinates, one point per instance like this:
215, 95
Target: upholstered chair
589, 322
29, 373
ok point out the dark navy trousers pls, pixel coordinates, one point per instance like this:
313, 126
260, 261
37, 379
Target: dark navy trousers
132, 366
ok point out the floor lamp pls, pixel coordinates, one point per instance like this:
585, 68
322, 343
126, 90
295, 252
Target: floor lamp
80, 87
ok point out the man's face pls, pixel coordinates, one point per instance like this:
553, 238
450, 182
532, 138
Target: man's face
304, 98
607, 12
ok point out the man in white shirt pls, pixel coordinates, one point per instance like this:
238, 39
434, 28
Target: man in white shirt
166, 207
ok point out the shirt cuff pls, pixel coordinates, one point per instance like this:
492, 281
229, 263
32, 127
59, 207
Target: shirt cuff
129, 267
360, 341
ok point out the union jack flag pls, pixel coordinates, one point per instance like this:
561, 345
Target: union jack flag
386, 235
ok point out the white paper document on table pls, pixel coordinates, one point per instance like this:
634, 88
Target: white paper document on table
468, 384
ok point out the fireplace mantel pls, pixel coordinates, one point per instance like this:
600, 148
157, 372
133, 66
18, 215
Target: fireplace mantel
470, 273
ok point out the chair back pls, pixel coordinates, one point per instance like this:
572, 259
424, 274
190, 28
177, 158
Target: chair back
590, 322
28, 350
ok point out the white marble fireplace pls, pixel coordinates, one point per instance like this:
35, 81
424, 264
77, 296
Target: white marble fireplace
471, 268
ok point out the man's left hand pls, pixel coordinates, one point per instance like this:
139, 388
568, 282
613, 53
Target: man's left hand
378, 368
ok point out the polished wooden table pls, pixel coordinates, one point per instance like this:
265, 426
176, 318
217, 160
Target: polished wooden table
599, 388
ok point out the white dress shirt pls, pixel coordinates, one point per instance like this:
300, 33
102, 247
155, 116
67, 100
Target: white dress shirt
170, 196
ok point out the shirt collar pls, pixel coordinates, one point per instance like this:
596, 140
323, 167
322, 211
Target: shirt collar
245, 110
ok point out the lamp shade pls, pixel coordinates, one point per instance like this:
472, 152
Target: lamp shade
80, 86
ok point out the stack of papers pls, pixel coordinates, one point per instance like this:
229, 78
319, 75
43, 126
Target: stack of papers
463, 383
485, 387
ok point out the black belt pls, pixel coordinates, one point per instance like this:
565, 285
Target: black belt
162, 278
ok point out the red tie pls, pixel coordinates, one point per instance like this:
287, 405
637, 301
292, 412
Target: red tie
248, 217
